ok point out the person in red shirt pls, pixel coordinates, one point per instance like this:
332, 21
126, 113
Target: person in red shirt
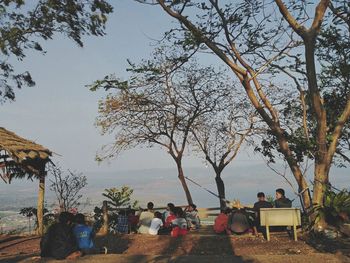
220, 224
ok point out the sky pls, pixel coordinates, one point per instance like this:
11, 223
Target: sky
60, 111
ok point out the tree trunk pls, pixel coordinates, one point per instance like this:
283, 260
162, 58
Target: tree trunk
40, 209
221, 190
321, 161
183, 182
105, 226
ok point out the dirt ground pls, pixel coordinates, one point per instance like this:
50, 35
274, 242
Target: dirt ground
205, 245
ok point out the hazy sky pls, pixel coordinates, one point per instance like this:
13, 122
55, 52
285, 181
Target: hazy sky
60, 111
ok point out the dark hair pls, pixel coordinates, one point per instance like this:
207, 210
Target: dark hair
260, 194
170, 205
179, 212
65, 218
281, 191
193, 206
80, 219
226, 210
158, 215
150, 205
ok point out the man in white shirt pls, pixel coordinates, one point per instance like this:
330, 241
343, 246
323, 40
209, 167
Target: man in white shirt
156, 224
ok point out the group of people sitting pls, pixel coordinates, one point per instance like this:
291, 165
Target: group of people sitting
69, 238
173, 221
240, 220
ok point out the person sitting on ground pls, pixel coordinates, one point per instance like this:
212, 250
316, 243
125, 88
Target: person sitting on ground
166, 213
167, 227
122, 222
156, 224
179, 225
281, 201
132, 221
192, 217
84, 235
146, 219
239, 221
59, 241
220, 224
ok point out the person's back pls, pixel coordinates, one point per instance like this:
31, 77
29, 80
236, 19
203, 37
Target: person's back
146, 219
261, 204
220, 223
83, 234
179, 225
238, 222
59, 241
156, 224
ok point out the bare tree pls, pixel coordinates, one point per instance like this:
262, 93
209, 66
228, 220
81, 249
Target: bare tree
67, 187
158, 106
220, 135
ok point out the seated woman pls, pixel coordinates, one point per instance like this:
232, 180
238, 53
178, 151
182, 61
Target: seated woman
179, 225
192, 217
220, 224
168, 222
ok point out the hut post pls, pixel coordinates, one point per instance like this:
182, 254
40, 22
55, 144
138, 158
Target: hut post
40, 209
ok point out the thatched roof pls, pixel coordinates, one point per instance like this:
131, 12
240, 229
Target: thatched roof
27, 155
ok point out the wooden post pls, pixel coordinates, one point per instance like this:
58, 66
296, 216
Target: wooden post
104, 228
40, 208
294, 226
267, 227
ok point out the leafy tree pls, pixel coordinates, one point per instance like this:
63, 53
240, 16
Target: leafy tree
119, 198
267, 49
159, 105
29, 212
67, 187
24, 24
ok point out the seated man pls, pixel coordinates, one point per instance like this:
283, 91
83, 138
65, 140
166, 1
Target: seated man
281, 201
146, 219
84, 236
59, 242
220, 224
262, 203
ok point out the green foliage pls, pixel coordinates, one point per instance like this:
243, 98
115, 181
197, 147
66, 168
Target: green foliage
24, 24
29, 212
270, 199
335, 206
119, 198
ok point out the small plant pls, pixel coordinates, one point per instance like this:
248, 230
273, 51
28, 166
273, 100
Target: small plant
270, 199
335, 209
117, 199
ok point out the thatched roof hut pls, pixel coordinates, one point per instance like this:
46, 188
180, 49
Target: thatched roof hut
20, 157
